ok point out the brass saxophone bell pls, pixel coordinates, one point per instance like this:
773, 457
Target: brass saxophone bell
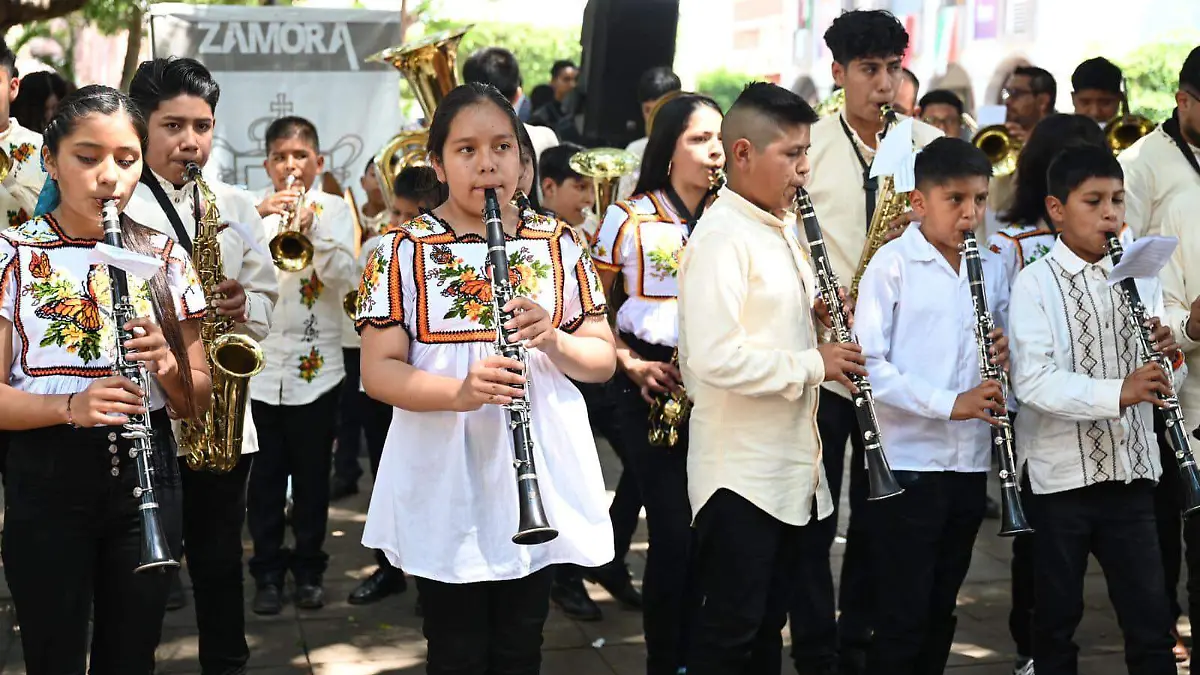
350, 304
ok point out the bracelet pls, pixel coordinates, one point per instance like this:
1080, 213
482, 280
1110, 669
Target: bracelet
70, 417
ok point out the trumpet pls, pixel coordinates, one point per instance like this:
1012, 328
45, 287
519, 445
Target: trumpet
1000, 147
292, 251
1126, 129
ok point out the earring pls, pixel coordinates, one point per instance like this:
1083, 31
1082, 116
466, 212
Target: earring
670, 164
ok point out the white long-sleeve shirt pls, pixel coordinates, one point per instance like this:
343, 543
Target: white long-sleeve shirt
1155, 171
916, 323
20, 189
748, 351
1181, 285
1072, 347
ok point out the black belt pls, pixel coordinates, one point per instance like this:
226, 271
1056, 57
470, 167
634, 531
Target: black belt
648, 350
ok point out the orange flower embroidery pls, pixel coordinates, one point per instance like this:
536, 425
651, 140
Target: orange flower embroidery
22, 152
39, 265
15, 218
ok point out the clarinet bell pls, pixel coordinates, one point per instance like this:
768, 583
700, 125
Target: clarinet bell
1190, 475
1012, 514
156, 555
881, 481
533, 528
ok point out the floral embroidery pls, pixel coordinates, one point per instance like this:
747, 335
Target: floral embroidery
310, 364
310, 290
1038, 251
599, 251
17, 217
34, 231
370, 279
471, 290
22, 152
39, 265
994, 248
664, 258
75, 322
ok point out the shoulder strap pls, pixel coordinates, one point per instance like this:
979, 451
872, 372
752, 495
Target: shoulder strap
1172, 129
160, 195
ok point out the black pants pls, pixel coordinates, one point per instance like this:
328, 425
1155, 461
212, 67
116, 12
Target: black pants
293, 440
1168, 507
1020, 617
214, 511
921, 545
626, 506
376, 418
351, 423
816, 633
72, 537
1115, 522
745, 571
487, 628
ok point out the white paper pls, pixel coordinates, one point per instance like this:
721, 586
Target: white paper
140, 266
989, 115
905, 179
243, 230
895, 151
1144, 259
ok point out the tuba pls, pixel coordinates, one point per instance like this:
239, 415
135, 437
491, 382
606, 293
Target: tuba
430, 66
291, 251
214, 442
1000, 147
605, 166
1126, 129
889, 205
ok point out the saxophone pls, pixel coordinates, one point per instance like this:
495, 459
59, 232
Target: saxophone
214, 442
889, 206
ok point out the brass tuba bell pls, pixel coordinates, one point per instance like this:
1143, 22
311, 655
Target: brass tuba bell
605, 166
832, 104
6, 164
430, 66
1000, 147
1126, 129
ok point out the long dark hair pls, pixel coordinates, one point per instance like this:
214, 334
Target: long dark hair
528, 153
30, 105
669, 124
97, 99
1052, 135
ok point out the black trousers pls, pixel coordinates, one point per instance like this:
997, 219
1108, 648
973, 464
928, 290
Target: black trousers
921, 545
745, 571
816, 633
1115, 522
1168, 507
376, 418
1020, 617
486, 628
293, 440
214, 511
72, 537
351, 423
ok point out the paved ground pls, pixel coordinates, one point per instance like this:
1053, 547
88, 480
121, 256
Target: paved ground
385, 639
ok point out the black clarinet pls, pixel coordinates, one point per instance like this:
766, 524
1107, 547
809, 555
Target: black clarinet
882, 482
155, 553
532, 527
1172, 414
1012, 516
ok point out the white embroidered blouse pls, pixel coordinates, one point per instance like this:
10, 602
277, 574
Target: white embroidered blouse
444, 505
60, 305
20, 189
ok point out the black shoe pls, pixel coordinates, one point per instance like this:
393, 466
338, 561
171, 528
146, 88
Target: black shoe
572, 598
992, 510
614, 578
382, 583
310, 596
340, 489
176, 598
268, 600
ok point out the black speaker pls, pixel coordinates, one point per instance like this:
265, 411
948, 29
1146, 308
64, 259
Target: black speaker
621, 40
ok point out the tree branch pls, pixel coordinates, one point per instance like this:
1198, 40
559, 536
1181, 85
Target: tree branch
16, 12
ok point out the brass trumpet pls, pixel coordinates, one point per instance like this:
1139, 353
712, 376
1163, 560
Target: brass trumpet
291, 250
1000, 147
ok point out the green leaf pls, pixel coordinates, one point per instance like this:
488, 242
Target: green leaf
1152, 76
722, 85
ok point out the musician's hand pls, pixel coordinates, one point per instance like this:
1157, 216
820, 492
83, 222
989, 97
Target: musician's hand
982, 402
106, 402
841, 359
279, 203
1018, 132
654, 377
308, 216
826, 318
1193, 321
999, 348
1144, 385
150, 347
1163, 338
490, 381
896, 227
229, 299
532, 322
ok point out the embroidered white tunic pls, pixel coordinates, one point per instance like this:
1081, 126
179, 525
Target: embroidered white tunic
642, 238
20, 189
60, 305
444, 505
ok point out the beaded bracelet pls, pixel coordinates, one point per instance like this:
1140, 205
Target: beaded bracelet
70, 417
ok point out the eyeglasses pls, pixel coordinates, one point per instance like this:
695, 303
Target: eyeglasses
1006, 94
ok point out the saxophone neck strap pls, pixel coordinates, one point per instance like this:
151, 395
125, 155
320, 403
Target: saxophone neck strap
160, 195
870, 183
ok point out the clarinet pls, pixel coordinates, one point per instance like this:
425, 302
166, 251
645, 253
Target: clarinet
882, 482
1172, 414
1013, 521
532, 527
155, 553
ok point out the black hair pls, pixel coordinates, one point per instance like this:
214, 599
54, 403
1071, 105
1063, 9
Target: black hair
30, 105
1189, 73
529, 155
1074, 165
947, 159
1097, 73
163, 79
96, 99
543, 94
943, 96
1050, 137
656, 83
8, 59
292, 126
669, 124
420, 184
912, 77
555, 163
495, 66
781, 107
1040, 81
560, 66
865, 33
463, 96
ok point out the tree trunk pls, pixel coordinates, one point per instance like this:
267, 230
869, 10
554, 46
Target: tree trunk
16, 12
133, 48
404, 20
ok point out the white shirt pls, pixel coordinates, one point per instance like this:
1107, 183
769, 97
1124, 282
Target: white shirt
20, 189
1072, 347
444, 505
916, 323
304, 349
1020, 245
542, 138
1181, 285
629, 181
748, 351
1155, 170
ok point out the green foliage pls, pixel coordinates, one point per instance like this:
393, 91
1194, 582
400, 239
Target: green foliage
722, 85
1152, 76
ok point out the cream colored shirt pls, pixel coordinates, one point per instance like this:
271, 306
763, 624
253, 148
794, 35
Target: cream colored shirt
836, 188
748, 351
1155, 171
20, 189
1181, 285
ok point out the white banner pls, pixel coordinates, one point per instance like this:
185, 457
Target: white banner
278, 61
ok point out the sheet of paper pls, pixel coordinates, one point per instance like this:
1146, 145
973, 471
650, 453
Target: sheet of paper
247, 234
991, 114
1144, 259
140, 266
895, 151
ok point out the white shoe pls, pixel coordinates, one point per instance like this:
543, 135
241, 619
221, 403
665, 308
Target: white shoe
1023, 667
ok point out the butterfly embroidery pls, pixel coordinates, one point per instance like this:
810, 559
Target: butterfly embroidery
81, 310
39, 265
